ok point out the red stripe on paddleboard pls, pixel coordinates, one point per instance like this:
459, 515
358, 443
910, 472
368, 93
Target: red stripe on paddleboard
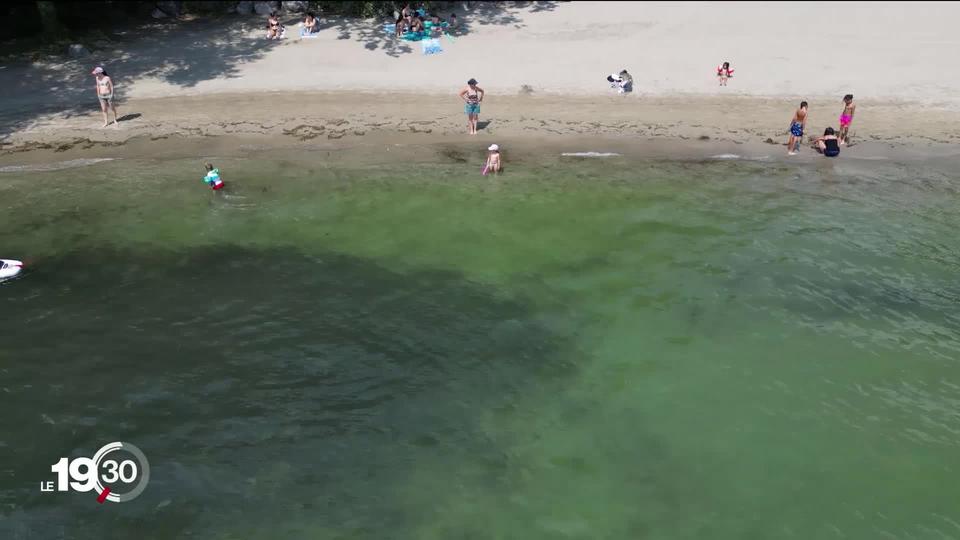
103, 496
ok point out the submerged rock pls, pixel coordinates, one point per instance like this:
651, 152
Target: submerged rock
294, 7
78, 51
244, 8
264, 8
172, 9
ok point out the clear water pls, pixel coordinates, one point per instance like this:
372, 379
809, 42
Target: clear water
585, 348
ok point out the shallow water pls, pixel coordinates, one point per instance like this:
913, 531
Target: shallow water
580, 348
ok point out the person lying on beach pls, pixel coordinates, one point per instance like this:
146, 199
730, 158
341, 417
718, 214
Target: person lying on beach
493, 164
797, 124
846, 118
724, 72
213, 177
274, 28
310, 23
828, 145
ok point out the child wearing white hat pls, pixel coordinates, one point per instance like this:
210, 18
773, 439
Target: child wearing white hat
493, 160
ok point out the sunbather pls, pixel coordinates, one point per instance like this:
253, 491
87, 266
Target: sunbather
274, 28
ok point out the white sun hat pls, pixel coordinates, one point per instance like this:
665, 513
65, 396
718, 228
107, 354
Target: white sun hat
493, 148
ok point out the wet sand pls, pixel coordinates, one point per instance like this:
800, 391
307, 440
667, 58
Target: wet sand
202, 125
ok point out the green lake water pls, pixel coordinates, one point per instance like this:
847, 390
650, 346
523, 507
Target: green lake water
594, 349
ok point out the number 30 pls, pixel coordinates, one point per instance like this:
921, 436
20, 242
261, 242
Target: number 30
115, 471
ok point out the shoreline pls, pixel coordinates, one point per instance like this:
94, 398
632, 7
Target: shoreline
652, 126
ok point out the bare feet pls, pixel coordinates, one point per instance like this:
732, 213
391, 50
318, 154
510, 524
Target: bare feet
791, 153
105, 124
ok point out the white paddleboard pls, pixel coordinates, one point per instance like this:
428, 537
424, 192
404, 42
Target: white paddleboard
9, 268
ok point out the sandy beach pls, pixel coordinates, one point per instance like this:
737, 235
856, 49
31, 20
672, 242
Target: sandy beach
542, 65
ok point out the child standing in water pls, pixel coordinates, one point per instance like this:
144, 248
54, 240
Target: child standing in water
213, 177
797, 126
846, 118
493, 160
724, 72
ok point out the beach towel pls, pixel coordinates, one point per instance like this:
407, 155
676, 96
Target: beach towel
431, 46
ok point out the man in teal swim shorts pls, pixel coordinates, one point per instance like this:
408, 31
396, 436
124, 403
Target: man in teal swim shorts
472, 95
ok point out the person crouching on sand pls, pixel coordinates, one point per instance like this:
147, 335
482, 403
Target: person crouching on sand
213, 177
797, 126
828, 145
846, 118
309, 25
104, 90
493, 164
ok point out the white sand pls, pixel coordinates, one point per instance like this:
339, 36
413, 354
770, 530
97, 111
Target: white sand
883, 51
896, 58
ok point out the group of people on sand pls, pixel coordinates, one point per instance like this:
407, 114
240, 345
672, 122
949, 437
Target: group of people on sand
829, 144
413, 20
276, 30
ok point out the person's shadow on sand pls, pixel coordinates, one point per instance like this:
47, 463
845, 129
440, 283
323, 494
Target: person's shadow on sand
483, 124
128, 117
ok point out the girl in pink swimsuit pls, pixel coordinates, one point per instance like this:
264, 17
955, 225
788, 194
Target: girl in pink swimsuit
724, 72
846, 118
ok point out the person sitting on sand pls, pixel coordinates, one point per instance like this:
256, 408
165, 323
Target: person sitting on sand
416, 23
724, 72
797, 125
622, 81
309, 24
436, 25
213, 177
493, 160
626, 82
274, 28
828, 145
846, 118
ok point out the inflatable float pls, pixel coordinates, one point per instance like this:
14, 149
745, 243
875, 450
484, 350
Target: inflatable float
9, 269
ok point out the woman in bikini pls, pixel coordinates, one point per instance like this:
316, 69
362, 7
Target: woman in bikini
274, 28
104, 89
472, 95
400, 26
